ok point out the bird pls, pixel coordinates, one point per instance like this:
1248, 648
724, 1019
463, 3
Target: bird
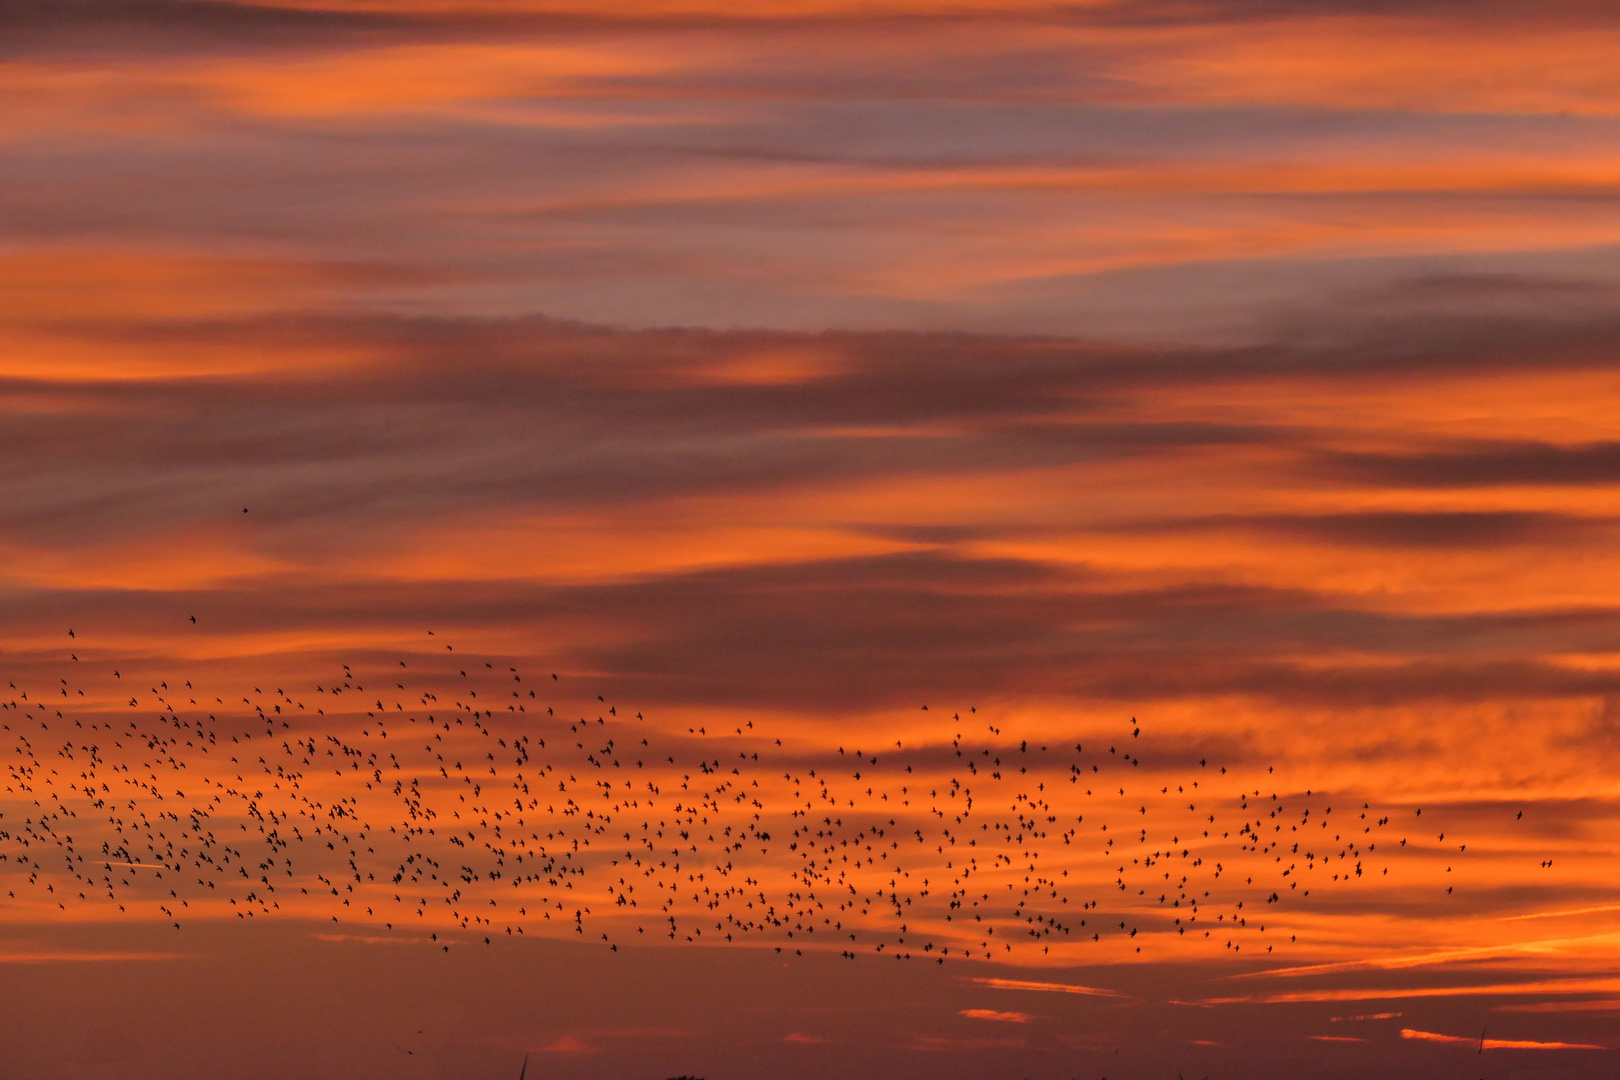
437, 805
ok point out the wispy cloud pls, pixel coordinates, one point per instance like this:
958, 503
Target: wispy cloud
992, 1014
26, 955
1244, 369
1499, 989
1496, 1044
1039, 987
1576, 1006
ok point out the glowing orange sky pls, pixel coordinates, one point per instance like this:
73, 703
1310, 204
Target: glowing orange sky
1240, 369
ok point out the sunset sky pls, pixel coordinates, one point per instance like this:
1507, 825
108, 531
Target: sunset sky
1208, 408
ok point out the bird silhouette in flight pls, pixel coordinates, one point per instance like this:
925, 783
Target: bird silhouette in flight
390, 793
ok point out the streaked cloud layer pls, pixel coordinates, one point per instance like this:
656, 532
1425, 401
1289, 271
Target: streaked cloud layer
1240, 368
1112, 171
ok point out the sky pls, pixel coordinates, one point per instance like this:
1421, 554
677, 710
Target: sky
1109, 503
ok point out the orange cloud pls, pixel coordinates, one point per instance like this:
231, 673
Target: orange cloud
1529, 987
1041, 987
1496, 1044
1291, 440
27, 955
992, 1014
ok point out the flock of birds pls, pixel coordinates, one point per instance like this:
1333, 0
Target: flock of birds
463, 800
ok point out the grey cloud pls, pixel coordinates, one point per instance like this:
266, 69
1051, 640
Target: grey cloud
1413, 529
535, 414
81, 28
526, 414
1481, 464
928, 627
